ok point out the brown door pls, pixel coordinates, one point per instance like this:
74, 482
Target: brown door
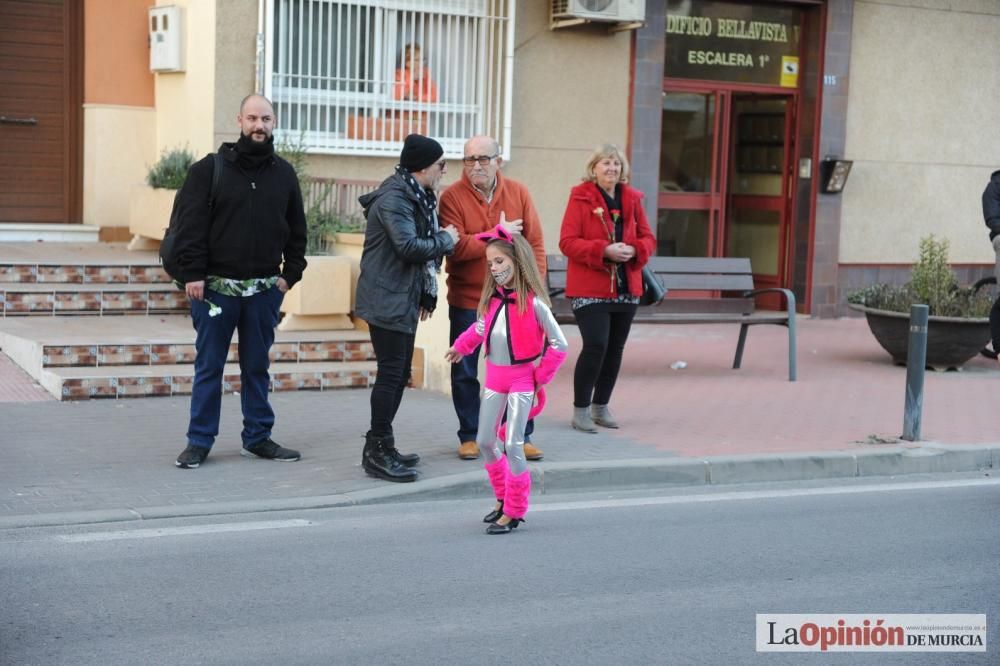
40, 110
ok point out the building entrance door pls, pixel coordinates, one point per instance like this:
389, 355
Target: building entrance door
725, 178
40, 111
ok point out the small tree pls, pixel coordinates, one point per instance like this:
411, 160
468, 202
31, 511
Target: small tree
170, 171
932, 282
321, 223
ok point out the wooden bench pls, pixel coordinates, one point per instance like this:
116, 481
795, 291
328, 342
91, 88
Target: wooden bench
721, 292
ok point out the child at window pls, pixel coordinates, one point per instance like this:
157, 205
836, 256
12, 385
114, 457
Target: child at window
413, 78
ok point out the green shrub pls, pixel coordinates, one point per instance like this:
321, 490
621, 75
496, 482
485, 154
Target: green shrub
171, 169
932, 283
321, 223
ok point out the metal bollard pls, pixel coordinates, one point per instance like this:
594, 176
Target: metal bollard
916, 360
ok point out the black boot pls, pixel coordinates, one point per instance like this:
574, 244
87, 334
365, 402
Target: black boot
408, 459
379, 462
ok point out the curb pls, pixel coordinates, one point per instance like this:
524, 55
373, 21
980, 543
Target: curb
611, 475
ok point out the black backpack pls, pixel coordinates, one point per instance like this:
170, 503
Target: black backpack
168, 254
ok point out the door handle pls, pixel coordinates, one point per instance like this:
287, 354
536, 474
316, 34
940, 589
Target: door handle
17, 121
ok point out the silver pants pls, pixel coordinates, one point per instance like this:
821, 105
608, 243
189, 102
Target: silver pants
491, 409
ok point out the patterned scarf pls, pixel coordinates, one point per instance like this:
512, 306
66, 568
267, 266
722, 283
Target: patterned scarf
428, 204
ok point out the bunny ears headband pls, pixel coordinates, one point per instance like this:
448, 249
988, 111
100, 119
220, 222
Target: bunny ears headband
496, 233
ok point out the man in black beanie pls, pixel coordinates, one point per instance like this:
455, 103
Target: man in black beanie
237, 255
397, 288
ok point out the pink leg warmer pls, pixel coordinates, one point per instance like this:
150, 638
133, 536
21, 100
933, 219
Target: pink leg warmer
498, 472
515, 501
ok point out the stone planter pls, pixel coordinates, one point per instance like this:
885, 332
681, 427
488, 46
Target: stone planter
350, 245
148, 215
951, 341
321, 300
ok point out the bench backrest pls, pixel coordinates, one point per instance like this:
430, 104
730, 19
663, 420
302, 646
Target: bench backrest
696, 284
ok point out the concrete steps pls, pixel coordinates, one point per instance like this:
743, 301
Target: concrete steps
77, 358
47, 299
61, 322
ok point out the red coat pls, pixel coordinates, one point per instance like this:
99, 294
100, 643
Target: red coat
585, 233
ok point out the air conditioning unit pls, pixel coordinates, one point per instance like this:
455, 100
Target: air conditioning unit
572, 12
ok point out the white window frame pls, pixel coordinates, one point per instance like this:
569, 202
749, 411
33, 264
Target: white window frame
471, 47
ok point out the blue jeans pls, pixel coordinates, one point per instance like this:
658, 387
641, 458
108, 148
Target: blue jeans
465, 380
255, 318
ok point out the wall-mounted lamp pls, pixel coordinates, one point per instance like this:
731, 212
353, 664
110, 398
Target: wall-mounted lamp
834, 174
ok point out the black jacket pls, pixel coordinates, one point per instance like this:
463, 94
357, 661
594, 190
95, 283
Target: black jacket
398, 245
256, 225
991, 205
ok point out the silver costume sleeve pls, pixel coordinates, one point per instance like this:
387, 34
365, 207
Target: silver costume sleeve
553, 333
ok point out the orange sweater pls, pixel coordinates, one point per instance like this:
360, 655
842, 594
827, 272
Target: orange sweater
464, 207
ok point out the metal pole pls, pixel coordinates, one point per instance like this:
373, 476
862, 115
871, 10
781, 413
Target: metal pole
916, 360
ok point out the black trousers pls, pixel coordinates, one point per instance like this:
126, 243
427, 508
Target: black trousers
604, 328
393, 359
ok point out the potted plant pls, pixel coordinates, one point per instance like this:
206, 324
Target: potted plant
150, 204
959, 316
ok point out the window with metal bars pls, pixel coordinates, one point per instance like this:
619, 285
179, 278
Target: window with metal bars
355, 77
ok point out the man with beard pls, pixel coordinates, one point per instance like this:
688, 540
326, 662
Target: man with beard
237, 255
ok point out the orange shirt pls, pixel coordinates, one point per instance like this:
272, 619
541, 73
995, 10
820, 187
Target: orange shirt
416, 89
464, 207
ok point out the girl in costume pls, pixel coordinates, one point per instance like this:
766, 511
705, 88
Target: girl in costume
515, 327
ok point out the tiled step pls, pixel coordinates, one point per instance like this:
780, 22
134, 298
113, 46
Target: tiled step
78, 263
77, 358
165, 380
50, 342
47, 299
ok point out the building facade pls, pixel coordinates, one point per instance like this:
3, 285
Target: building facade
733, 112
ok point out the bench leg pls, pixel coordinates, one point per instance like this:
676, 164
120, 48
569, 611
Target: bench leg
792, 365
739, 346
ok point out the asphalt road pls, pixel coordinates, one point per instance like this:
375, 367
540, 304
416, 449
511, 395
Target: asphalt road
635, 579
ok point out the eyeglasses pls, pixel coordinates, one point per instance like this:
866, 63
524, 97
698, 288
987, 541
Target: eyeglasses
442, 164
482, 159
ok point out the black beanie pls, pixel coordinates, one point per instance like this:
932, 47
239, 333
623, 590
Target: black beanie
419, 152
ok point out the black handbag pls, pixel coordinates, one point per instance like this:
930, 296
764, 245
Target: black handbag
653, 290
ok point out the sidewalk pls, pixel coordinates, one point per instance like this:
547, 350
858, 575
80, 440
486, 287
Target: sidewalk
78, 462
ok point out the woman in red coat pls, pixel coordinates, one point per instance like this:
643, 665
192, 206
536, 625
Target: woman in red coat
607, 239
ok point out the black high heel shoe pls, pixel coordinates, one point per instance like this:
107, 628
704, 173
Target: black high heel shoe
494, 515
497, 528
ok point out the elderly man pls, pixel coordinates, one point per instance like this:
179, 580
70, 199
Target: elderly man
237, 256
480, 200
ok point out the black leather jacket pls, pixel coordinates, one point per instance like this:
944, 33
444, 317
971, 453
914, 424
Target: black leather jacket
398, 244
991, 205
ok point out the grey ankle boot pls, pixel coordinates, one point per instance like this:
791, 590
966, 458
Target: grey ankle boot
581, 420
602, 417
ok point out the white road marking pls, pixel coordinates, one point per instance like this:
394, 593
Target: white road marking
761, 494
183, 531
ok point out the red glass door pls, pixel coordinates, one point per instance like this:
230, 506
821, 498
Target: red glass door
693, 173
726, 177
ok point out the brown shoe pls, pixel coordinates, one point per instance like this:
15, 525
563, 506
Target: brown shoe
468, 450
532, 452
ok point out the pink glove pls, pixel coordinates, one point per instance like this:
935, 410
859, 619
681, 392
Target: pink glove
548, 366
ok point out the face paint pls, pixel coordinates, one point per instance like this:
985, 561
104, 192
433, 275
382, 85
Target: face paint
504, 276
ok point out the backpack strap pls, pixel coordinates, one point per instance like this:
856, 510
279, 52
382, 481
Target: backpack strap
216, 175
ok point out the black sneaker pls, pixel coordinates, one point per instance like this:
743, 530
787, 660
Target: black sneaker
268, 449
192, 457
